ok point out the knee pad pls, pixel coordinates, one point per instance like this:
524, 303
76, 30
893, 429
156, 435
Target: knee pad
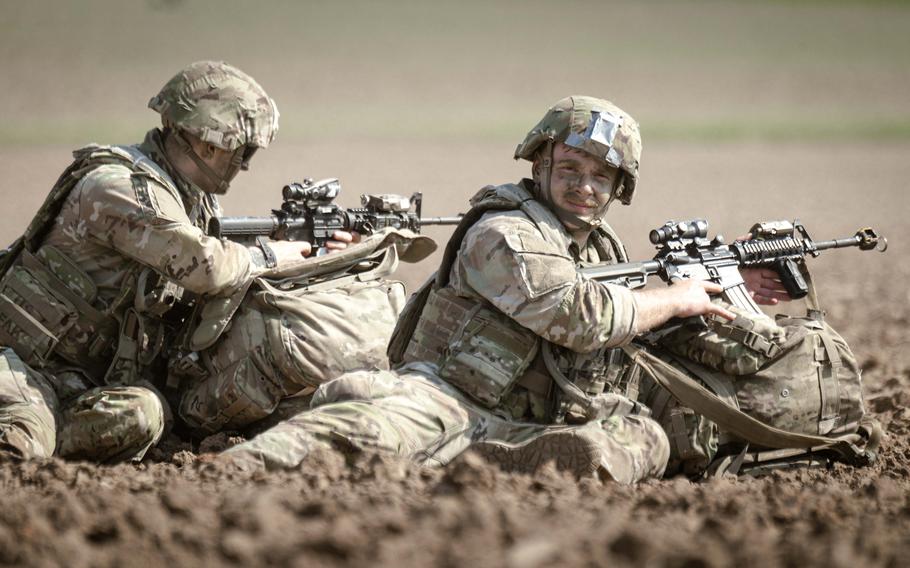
112, 424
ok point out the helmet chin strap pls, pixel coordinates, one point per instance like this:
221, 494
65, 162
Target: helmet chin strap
570, 220
221, 183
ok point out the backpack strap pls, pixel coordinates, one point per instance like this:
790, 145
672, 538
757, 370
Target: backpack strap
829, 385
143, 163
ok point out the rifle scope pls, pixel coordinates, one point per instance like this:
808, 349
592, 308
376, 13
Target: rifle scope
671, 230
322, 190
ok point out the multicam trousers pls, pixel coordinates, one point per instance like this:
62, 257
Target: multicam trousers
417, 415
42, 416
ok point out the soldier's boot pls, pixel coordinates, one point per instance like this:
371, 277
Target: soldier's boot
568, 450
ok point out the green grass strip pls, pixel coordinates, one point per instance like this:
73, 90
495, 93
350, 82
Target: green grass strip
848, 129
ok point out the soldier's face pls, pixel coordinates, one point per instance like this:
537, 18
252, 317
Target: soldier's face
220, 162
225, 164
580, 184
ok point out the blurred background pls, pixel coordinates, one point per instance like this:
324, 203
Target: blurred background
750, 110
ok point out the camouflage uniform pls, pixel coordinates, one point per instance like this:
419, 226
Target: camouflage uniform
41, 413
95, 294
507, 348
118, 220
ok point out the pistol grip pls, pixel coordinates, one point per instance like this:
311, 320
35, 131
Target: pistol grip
792, 278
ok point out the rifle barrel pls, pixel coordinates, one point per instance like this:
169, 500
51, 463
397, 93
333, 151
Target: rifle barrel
837, 243
441, 220
866, 239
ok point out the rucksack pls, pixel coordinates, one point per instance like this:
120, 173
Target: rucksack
757, 394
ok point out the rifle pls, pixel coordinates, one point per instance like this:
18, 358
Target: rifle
684, 252
308, 213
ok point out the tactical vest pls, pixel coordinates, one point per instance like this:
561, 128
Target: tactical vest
493, 359
47, 302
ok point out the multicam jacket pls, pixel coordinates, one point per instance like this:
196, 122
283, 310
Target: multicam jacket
117, 220
122, 211
514, 311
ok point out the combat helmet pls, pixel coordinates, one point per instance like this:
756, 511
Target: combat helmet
595, 126
220, 105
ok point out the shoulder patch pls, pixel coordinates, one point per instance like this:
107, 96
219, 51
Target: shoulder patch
143, 197
157, 201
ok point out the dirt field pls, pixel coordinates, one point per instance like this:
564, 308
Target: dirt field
176, 510
750, 111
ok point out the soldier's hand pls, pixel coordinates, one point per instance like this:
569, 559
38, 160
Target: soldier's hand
693, 298
683, 298
290, 251
764, 286
341, 240
289, 254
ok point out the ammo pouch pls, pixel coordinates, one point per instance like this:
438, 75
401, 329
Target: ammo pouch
592, 386
476, 348
46, 307
738, 347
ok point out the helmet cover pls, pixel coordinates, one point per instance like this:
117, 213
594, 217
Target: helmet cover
219, 104
595, 126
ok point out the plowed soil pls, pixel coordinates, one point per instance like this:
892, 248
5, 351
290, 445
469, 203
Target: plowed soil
179, 509
750, 111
